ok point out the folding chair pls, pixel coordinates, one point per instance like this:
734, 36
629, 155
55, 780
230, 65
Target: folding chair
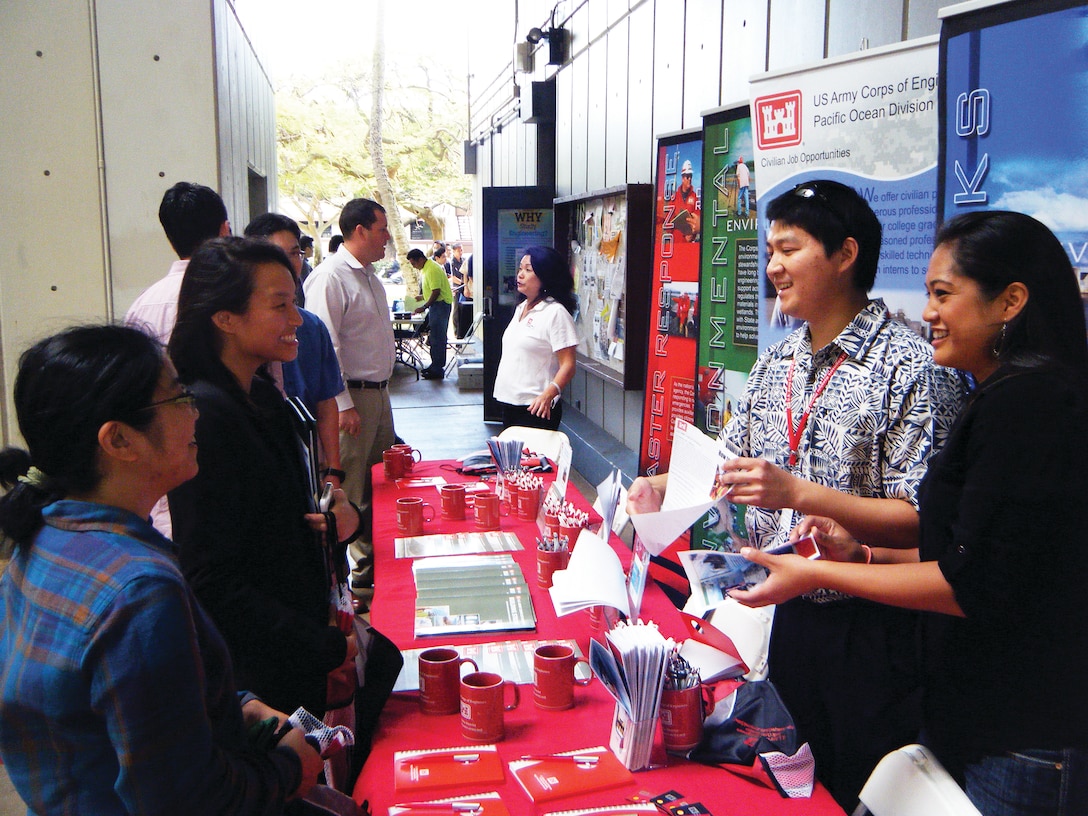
911, 782
458, 348
538, 440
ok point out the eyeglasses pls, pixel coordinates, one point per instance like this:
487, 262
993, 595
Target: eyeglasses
186, 397
811, 189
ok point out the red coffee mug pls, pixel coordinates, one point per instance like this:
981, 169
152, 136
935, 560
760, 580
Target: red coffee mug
482, 706
410, 515
553, 670
488, 511
394, 464
682, 715
528, 503
440, 680
409, 453
453, 501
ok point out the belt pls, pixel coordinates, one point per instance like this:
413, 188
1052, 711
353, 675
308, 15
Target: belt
367, 384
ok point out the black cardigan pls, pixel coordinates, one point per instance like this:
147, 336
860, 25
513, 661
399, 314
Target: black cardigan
253, 561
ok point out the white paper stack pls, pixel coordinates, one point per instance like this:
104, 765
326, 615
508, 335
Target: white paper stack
633, 671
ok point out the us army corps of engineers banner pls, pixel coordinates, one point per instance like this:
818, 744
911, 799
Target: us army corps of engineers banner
868, 121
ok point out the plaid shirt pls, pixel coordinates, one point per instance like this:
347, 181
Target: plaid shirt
116, 690
871, 431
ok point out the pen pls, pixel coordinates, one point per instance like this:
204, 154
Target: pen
427, 759
453, 807
578, 759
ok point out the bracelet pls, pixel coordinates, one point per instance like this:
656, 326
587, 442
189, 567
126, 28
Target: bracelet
558, 390
339, 474
868, 553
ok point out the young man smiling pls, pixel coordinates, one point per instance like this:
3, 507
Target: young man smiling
836, 420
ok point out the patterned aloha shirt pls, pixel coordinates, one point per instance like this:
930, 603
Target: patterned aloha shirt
871, 431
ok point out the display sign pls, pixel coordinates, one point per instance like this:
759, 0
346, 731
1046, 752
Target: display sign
729, 283
674, 297
868, 121
1012, 132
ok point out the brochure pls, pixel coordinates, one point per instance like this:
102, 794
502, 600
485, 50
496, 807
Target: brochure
557, 776
443, 767
456, 544
469, 594
475, 804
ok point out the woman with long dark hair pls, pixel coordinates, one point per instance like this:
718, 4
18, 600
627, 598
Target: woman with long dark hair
246, 524
538, 346
116, 690
1002, 564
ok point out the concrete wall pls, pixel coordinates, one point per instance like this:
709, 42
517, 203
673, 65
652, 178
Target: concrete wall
642, 68
106, 105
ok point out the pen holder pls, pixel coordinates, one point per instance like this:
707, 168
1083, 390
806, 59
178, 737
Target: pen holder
571, 533
683, 712
528, 503
551, 525
547, 562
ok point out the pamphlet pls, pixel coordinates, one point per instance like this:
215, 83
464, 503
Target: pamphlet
688, 495
712, 574
594, 577
416, 482
456, 544
470, 594
443, 767
545, 778
475, 804
633, 809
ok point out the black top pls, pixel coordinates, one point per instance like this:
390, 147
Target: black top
254, 563
1001, 511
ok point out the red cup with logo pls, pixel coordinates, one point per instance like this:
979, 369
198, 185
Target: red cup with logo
488, 509
411, 513
528, 505
452, 498
483, 702
553, 676
682, 714
410, 455
547, 562
440, 680
394, 464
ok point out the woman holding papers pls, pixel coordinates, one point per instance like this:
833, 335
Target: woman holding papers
538, 344
245, 524
1002, 564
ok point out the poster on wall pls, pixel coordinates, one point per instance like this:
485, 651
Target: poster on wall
868, 121
674, 297
1012, 135
518, 229
729, 286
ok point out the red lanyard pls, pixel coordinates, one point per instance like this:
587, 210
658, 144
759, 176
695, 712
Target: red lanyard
796, 433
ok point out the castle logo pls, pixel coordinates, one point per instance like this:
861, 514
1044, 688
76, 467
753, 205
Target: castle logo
778, 120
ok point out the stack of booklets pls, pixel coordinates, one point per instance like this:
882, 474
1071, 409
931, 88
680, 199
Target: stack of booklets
476, 804
632, 667
633, 809
557, 776
456, 544
471, 593
443, 767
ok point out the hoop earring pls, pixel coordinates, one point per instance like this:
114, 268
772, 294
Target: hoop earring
999, 343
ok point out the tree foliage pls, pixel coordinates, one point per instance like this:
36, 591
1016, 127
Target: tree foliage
324, 132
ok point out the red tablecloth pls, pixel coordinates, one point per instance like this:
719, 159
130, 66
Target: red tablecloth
530, 730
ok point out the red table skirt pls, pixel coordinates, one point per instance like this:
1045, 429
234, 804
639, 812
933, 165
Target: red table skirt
530, 730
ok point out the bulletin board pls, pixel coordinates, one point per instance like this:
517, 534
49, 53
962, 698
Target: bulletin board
606, 236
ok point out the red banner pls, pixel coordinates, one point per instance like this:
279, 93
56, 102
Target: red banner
674, 304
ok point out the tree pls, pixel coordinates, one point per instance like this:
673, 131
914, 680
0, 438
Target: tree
397, 122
